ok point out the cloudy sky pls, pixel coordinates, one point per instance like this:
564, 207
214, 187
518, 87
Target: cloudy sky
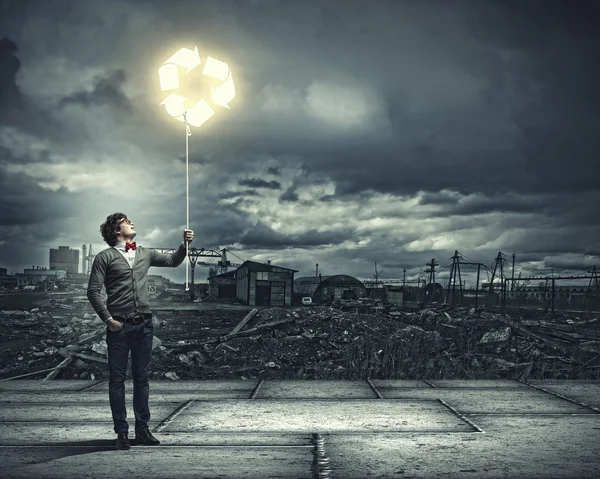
381, 131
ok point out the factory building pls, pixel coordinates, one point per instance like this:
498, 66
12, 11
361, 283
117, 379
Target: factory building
65, 258
329, 288
223, 286
260, 284
41, 273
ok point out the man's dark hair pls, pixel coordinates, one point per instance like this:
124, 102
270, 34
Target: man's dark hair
110, 230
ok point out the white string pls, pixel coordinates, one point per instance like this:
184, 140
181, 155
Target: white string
188, 133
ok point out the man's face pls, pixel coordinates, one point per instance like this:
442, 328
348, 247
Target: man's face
127, 228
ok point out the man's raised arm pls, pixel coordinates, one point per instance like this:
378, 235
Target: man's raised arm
95, 288
169, 260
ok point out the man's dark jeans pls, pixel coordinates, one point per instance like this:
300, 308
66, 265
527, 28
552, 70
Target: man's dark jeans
136, 338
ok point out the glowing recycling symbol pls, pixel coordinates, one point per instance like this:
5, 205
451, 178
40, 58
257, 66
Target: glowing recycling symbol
169, 80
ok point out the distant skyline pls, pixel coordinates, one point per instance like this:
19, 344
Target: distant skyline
385, 131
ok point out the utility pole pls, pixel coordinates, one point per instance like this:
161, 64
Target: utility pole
377, 273
497, 262
431, 272
512, 283
594, 275
454, 270
477, 285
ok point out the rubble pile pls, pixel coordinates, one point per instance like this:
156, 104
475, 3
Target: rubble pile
344, 340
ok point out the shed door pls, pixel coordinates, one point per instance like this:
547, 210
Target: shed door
263, 293
349, 294
227, 290
278, 293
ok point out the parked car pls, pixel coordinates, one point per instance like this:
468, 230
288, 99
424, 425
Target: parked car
307, 301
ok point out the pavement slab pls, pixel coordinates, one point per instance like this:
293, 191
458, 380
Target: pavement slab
490, 400
512, 447
585, 392
74, 412
163, 463
298, 389
305, 416
429, 429
101, 434
401, 383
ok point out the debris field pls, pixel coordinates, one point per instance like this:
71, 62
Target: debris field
64, 339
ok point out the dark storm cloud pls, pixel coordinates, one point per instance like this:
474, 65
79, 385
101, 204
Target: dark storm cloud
274, 170
237, 194
260, 183
559, 44
15, 107
575, 263
225, 226
30, 217
441, 198
261, 236
24, 202
43, 155
10, 94
479, 204
107, 90
289, 195
540, 77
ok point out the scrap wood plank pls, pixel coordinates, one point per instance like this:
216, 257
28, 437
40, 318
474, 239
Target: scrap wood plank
59, 366
53, 374
240, 334
243, 322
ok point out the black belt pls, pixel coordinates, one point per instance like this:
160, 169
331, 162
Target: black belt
134, 318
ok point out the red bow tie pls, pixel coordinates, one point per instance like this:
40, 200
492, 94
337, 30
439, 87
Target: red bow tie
129, 246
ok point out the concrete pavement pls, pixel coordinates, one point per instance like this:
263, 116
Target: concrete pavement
307, 429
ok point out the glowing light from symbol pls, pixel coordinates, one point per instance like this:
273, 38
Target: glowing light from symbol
201, 111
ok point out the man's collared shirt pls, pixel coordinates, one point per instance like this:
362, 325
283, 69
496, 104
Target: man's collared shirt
129, 255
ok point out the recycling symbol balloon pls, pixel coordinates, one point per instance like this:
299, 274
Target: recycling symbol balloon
201, 111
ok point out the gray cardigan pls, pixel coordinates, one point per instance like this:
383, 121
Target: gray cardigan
126, 288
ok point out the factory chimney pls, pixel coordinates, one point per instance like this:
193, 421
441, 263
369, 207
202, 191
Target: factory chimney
317, 271
84, 259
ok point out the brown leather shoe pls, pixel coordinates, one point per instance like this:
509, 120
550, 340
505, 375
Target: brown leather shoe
123, 441
144, 436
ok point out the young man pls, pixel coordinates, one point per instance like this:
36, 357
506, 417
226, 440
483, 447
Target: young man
123, 269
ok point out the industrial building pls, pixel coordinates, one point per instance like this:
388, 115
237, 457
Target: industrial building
254, 284
65, 258
223, 286
328, 288
41, 273
260, 284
